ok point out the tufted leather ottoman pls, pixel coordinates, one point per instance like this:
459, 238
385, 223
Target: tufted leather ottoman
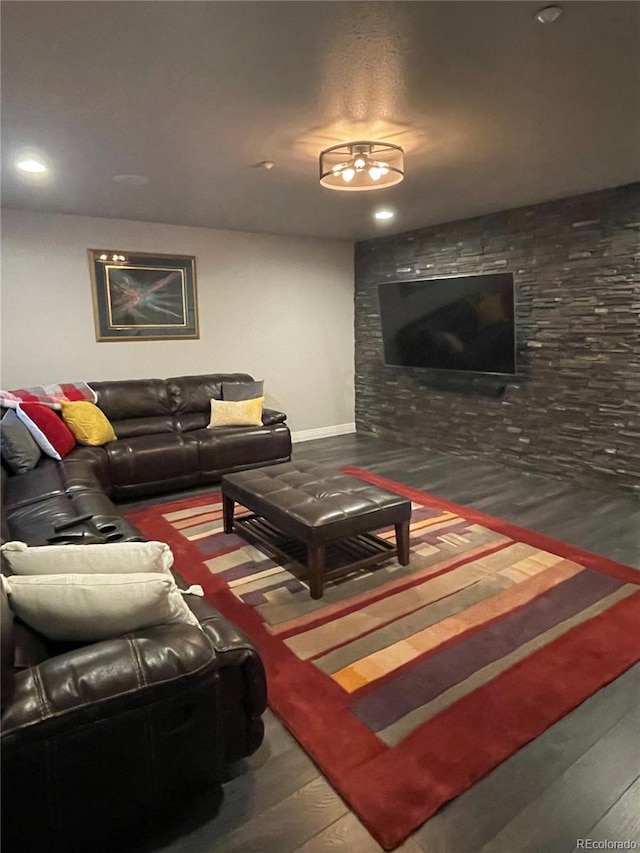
319, 506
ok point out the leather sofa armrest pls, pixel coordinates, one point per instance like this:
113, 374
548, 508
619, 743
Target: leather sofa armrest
8, 643
98, 679
223, 634
271, 417
233, 649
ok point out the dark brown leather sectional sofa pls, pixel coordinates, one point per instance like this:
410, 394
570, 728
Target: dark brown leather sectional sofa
163, 446
102, 739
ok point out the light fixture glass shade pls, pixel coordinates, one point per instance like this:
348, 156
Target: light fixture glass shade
357, 166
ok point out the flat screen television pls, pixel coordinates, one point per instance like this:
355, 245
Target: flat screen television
462, 323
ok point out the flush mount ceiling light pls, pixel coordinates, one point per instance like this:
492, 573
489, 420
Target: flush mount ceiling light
357, 166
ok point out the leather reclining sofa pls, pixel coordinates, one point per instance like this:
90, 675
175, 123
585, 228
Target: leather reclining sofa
163, 446
101, 739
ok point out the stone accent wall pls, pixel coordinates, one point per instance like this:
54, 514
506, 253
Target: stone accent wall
574, 410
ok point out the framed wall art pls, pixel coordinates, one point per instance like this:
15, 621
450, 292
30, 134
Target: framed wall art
143, 297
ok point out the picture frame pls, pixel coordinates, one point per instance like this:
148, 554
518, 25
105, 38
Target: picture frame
138, 296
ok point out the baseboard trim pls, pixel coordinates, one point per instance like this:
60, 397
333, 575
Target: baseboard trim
322, 432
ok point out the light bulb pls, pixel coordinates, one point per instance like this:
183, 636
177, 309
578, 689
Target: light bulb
348, 175
35, 167
359, 163
548, 15
374, 173
103, 257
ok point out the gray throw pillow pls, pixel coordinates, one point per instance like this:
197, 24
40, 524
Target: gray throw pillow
17, 446
238, 391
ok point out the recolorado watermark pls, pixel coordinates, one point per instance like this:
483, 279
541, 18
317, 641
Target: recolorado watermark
594, 844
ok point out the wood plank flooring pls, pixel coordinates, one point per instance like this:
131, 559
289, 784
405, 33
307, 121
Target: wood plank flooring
579, 780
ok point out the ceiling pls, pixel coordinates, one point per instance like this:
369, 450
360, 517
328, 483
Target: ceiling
493, 109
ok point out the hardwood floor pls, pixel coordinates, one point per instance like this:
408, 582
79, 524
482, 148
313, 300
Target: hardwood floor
580, 779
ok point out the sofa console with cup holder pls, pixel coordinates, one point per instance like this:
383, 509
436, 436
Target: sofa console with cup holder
101, 739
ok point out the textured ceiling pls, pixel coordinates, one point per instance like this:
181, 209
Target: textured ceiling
493, 109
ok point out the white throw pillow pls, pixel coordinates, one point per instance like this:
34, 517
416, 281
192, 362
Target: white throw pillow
96, 607
116, 557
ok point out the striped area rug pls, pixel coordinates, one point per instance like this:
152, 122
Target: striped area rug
408, 684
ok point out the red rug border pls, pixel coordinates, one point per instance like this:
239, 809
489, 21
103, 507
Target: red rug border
365, 784
507, 528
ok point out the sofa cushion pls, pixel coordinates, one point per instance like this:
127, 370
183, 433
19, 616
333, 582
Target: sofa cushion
85, 469
236, 413
192, 394
226, 448
149, 458
153, 425
132, 398
192, 420
17, 446
242, 390
87, 422
35, 522
48, 429
116, 558
37, 485
96, 607
151, 464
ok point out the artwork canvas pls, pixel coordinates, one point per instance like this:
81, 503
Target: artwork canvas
140, 296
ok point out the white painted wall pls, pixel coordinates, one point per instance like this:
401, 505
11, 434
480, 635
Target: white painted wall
279, 308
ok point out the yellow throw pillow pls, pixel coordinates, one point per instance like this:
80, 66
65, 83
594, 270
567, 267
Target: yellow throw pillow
236, 413
87, 423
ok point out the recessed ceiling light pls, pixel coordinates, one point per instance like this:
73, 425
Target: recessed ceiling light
31, 165
548, 15
265, 164
131, 180
383, 215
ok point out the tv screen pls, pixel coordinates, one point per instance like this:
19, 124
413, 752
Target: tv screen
457, 323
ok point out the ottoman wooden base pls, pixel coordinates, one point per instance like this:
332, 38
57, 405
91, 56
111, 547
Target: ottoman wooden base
306, 510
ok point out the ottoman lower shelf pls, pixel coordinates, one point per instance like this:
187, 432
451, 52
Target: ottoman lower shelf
341, 557
319, 512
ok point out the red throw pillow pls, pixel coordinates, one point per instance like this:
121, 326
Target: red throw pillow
48, 429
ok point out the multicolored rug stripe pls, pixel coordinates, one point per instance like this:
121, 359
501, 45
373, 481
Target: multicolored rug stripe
405, 659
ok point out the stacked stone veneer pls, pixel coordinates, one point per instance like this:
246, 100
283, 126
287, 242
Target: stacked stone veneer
574, 409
